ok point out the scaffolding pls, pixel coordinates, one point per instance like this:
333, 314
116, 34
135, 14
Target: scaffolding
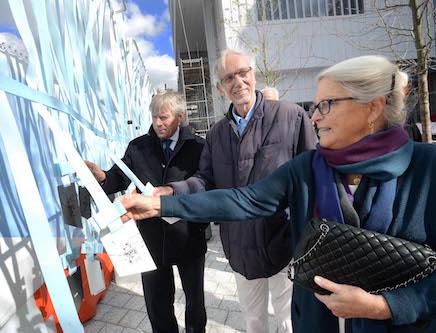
194, 78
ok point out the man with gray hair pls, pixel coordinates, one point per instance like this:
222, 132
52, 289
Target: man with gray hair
253, 140
270, 93
168, 153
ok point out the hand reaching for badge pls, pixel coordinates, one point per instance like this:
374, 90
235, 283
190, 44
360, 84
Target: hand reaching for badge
98, 173
347, 301
139, 207
163, 190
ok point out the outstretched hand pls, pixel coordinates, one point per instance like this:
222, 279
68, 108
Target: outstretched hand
98, 173
347, 301
163, 190
139, 207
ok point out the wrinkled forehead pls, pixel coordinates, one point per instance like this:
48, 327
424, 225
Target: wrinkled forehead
232, 63
328, 88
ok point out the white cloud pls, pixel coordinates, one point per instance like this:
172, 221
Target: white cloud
162, 70
138, 24
160, 67
146, 48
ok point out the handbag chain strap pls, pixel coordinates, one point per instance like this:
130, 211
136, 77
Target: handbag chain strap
324, 230
426, 272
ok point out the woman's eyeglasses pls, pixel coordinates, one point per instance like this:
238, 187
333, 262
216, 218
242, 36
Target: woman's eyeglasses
324, 105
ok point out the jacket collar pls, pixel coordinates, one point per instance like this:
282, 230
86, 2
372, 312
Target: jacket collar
258, 107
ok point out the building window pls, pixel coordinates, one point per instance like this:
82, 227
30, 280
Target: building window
269, 10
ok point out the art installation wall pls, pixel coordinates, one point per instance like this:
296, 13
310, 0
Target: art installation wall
74, 63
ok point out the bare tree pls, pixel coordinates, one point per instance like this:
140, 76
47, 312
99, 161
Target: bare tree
421, 14
253, 31
417, 30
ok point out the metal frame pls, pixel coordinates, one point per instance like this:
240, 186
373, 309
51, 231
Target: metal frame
196, 64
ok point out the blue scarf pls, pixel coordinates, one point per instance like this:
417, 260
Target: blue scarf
380, 158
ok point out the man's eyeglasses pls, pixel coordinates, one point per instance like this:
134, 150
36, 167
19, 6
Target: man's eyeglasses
242, 73
324, 105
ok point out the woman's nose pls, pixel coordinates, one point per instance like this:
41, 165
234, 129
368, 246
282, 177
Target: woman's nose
316, 116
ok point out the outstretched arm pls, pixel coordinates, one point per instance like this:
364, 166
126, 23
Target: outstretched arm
139, 207
203, 179
263, 198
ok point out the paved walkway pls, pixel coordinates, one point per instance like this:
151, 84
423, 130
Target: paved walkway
123, 309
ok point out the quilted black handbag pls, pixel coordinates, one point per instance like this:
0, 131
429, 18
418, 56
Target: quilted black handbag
363, 258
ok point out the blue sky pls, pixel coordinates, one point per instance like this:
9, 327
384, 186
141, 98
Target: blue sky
148, 22
156, 8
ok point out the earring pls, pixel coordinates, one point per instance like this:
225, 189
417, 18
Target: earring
371, 127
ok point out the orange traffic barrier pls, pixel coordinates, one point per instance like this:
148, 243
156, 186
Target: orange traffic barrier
88, 306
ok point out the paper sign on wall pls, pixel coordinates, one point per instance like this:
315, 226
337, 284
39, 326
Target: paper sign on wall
127, 250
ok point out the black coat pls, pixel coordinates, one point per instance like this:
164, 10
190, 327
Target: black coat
168, 244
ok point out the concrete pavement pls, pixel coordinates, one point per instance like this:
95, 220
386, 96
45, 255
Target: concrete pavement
123, 309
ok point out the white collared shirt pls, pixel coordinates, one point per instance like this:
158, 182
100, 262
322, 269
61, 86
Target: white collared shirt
174, 138
242, 123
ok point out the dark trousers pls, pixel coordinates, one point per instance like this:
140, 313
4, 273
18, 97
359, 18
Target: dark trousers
159, 292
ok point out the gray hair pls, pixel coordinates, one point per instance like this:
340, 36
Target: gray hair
368, 77
175, 101
273, 91
221, 61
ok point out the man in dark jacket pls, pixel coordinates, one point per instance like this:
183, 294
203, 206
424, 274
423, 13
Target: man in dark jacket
253, 140
167, 153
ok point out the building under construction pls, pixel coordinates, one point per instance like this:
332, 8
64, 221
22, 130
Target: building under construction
195, 84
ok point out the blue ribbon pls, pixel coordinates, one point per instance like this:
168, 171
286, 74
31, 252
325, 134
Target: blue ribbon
19, 89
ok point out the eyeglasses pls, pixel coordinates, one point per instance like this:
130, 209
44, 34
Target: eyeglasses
242, 73
324, 105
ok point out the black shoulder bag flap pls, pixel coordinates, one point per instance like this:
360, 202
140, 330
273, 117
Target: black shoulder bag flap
354, 256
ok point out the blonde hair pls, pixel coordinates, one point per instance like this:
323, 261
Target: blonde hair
368, 77
175, 101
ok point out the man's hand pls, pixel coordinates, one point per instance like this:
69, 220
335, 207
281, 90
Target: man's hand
163, 190
98, 173
139, 207
352, 302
